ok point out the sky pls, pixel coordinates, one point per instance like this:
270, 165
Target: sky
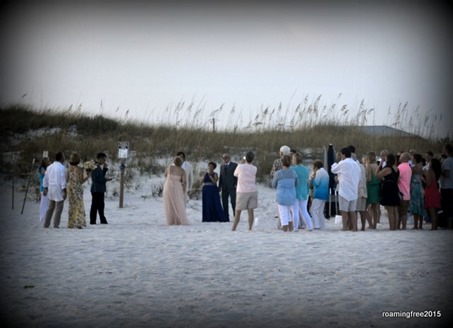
150, 60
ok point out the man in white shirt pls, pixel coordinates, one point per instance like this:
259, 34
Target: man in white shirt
189, 171
348, 172
55, 188
246, 190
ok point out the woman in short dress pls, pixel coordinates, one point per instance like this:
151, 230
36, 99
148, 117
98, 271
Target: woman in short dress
390, 197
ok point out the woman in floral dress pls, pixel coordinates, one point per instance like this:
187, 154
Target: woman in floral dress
76, 176
417, 202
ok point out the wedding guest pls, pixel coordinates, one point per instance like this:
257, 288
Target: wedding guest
227, 185
348, 172
247, 191
285, 180
404, 185
362, 199
212, 209
373, 187
417, 201
174, 193
390, 198
428, 157
55, 188
188, 169
301, 204
320, 183
353, 155
277, 165
432, 193
362, 192
76, 177
382, 162
44, 201
383, 157
98, 189
446, 186
411, 152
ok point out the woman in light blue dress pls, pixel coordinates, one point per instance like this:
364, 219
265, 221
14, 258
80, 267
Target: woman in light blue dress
285, 180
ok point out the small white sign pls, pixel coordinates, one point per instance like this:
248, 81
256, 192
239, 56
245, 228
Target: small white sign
123, 148
45, 154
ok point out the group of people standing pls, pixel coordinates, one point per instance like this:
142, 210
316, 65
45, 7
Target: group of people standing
419, 186
293, 181
58, 183
236, 183
403, 183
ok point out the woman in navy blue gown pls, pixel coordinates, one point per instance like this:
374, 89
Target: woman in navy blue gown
212, 208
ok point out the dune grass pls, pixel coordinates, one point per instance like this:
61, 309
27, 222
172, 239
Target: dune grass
27, 132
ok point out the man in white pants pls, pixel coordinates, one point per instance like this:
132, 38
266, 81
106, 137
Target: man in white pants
348, 172
55, 188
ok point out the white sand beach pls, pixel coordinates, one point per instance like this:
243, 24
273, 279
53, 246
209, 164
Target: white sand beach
138, 272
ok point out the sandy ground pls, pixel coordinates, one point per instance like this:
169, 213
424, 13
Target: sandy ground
138, 272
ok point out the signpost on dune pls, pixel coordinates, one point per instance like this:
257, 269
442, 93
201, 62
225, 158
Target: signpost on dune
123, 149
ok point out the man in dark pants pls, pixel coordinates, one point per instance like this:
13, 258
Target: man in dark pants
98, 189
227, 184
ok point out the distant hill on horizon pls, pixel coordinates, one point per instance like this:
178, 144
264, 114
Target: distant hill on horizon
385, 131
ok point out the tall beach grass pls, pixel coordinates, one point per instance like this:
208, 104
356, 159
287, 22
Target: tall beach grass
192, 128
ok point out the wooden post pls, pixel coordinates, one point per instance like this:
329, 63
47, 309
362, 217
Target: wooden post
122, 168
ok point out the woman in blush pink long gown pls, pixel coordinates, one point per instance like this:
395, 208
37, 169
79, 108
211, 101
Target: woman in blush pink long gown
174, 194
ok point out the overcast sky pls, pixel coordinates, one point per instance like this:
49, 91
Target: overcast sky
144, 57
